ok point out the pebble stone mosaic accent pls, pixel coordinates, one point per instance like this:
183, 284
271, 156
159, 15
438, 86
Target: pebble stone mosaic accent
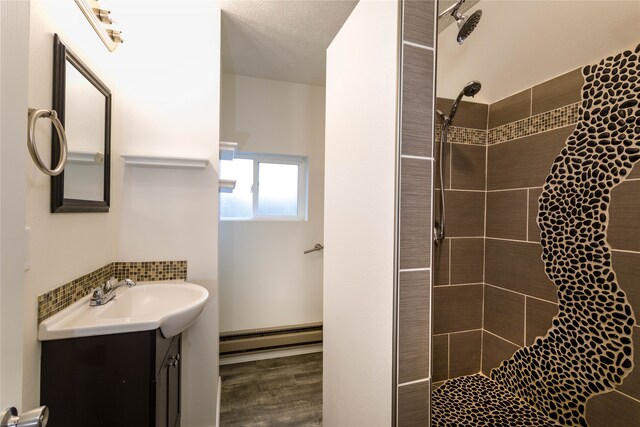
475, 400
588, 350
63, 296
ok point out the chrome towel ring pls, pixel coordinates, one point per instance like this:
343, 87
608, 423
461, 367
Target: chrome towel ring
34, 115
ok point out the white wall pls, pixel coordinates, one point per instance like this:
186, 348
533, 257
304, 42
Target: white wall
14, 42
165, 86
265, 279
359, 217
63, 246
171, 95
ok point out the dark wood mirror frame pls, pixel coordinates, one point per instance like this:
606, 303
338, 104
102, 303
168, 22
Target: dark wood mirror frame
59, 204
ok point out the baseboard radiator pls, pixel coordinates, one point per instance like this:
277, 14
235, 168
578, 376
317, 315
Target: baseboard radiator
254, 340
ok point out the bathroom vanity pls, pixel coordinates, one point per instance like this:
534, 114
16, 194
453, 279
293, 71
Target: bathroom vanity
118, 380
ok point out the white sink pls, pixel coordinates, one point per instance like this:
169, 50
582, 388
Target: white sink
172, 307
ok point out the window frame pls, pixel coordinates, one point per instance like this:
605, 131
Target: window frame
303, 185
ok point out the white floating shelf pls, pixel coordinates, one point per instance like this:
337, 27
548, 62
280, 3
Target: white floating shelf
85, 157
227, 185
165, 161
228, 150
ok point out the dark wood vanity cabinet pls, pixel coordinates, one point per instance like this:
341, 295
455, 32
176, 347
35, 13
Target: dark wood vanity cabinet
121, 380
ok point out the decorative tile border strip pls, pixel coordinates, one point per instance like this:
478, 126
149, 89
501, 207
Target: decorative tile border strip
542, 122
151, 270
63, 296
460, 135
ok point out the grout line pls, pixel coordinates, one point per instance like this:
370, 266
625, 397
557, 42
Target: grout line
503, 339
414, 382
520, 293
531, 102
448, 356
408, 270
626, 251
626, 395
459, 284
410, 156
463, 189
527, 205
512, 240
514, 189
449, 278
465, 237
524, 337
417, 45
458, 332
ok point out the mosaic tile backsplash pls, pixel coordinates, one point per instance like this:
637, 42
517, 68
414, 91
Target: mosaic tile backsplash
63, 296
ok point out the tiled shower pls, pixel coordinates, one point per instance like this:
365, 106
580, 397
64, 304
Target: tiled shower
492, 295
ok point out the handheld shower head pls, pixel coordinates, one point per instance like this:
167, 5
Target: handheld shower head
470, 89
467, 25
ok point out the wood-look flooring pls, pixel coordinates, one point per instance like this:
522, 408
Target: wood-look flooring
286, 391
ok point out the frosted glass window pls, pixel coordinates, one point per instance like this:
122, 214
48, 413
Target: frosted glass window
239, 203
278, 189
268, 187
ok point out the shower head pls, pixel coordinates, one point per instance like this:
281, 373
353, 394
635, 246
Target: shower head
470, 89
467, 25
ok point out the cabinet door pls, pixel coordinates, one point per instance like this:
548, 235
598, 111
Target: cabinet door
162, 389
173, 397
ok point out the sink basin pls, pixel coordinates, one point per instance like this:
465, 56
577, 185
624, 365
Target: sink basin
172, 307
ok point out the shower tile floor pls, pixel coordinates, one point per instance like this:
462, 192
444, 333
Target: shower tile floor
286, 391
476, 400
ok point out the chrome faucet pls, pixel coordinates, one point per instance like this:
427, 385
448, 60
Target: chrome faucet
105, 293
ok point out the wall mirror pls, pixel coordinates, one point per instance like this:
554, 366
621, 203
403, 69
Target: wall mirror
83, 103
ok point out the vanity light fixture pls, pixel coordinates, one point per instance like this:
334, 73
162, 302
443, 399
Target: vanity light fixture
99, 18
103, 16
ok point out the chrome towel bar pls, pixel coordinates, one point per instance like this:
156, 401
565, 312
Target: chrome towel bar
317, 247
34, 115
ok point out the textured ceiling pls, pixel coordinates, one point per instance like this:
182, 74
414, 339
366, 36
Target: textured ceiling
280, 40
519, 43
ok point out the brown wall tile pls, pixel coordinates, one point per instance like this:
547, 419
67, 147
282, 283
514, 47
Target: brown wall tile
539, 317
534, 207
627, 268
558, 92
631, 384
415, 213
468, 170
635, 172
465, 213
507, 214
467, 261
624, 228
469, 115
440, 355
612, 409
518, 267
494, 351
419, 21
525, 162
417, 101
504, 314
510, 109
413, 326
414, 406
457, 308
441, 263
466, 351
